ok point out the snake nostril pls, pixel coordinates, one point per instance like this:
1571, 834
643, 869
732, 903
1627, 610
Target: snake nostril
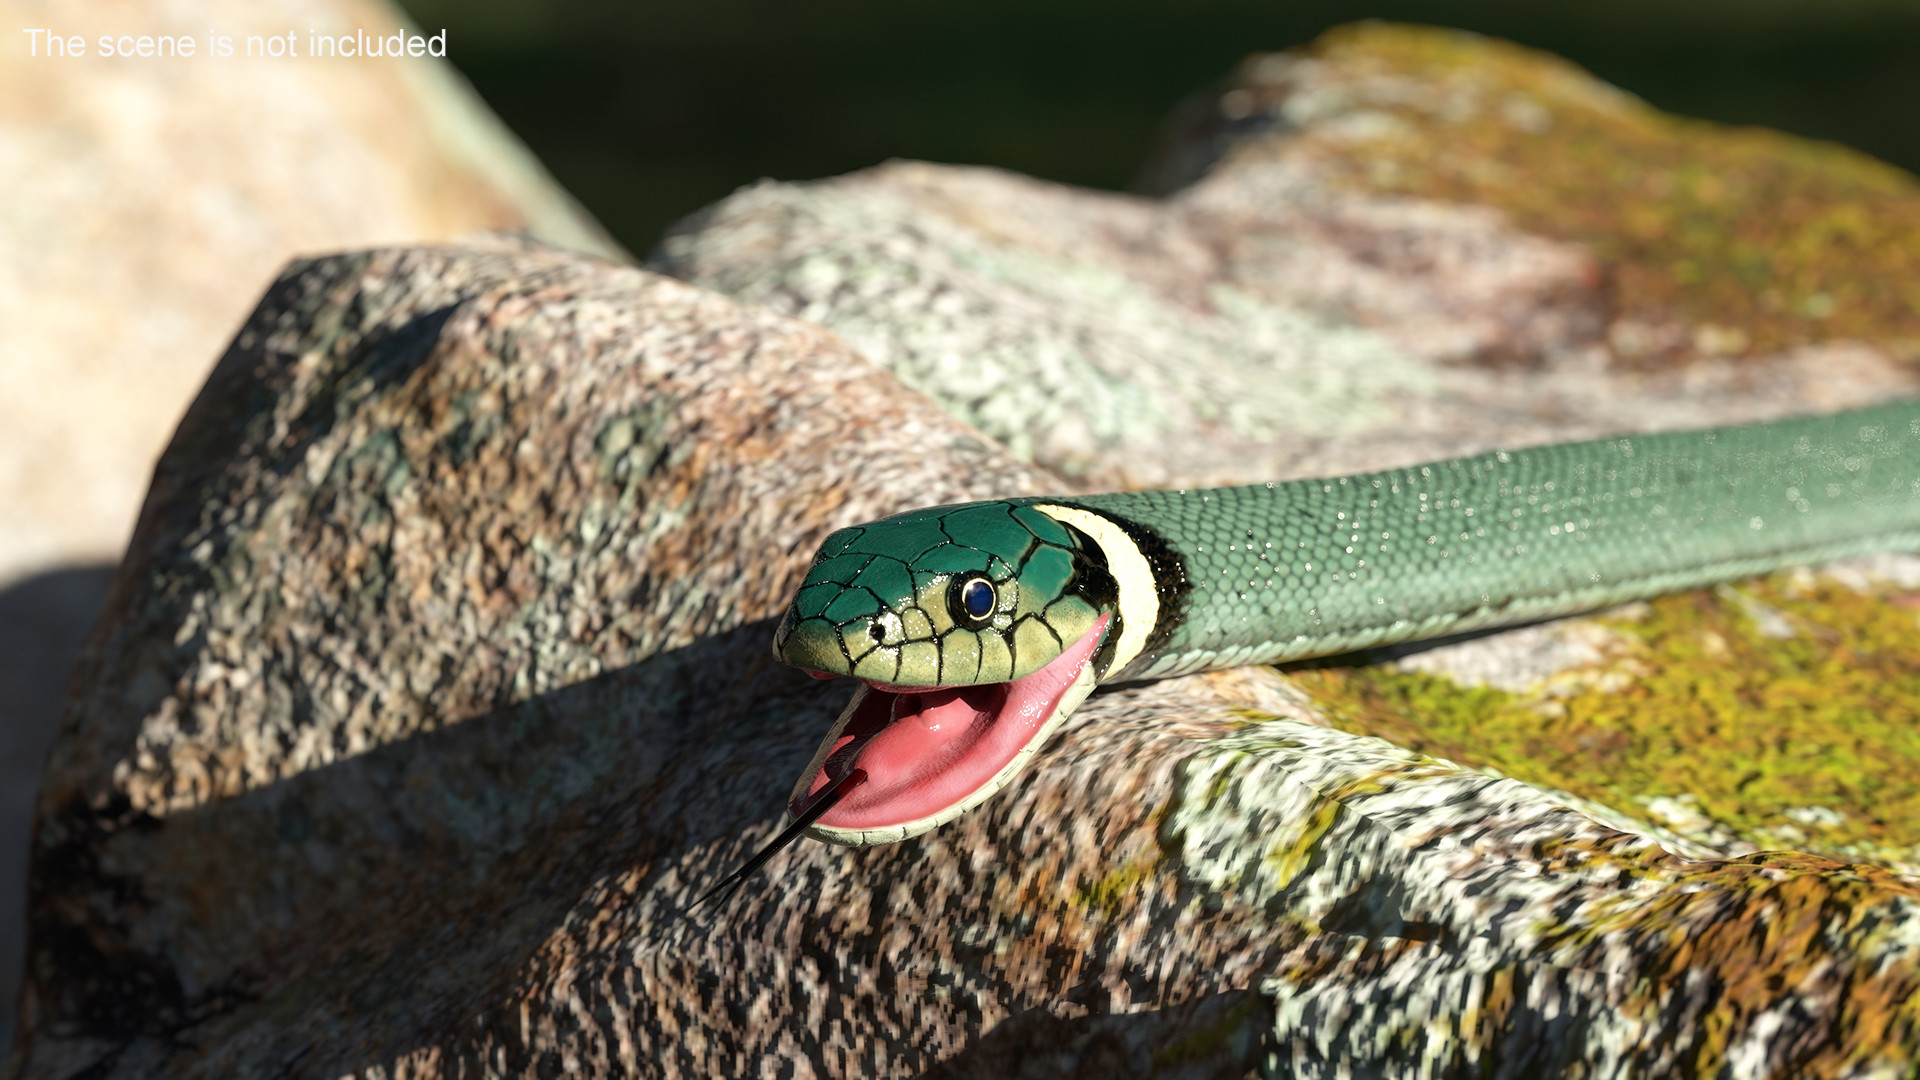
877, 632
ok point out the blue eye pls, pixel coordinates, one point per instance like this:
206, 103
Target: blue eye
976, 598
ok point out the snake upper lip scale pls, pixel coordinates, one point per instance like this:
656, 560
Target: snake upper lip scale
975, 629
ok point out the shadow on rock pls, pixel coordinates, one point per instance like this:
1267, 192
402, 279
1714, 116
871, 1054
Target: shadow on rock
43, 620
420, 877
1223, 1035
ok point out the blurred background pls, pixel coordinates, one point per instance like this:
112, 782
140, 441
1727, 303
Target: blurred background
649, 111
150, 202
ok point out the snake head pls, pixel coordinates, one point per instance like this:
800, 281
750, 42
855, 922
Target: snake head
947, 596
973, 629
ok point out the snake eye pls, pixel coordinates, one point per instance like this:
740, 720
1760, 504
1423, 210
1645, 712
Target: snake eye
973, 600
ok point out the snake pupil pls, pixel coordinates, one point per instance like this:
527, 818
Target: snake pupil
976, 597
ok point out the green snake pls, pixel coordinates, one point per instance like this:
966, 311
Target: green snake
975, 629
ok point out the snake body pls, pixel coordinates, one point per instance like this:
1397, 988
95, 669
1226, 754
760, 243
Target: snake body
962, 682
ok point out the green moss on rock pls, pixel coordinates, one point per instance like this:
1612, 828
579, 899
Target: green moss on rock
1804, 922
1749, 240
1719, 731
1111, 893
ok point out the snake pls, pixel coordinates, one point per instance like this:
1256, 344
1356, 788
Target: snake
974, 630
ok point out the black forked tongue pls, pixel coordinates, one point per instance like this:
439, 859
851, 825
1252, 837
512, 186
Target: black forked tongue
828, 800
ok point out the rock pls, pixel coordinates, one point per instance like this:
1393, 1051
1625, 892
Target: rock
1708, 240
1269, 321
148, 201
436, 685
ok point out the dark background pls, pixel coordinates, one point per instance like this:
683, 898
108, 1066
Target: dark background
648, 111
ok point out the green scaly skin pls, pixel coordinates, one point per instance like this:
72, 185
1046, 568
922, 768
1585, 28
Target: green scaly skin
1286, 571
895, 575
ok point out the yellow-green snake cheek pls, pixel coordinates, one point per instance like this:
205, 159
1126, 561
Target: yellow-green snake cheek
996, 660
960, 657
880, 664
813, 645
919, 665
1034, 646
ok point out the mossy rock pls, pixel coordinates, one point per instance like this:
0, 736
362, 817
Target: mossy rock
1713, 239
1781, 713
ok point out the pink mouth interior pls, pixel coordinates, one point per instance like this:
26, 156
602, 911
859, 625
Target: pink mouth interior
925, 750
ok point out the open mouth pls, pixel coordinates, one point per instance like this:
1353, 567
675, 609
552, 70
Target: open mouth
932, 753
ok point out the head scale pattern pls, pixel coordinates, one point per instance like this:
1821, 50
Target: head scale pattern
948, 596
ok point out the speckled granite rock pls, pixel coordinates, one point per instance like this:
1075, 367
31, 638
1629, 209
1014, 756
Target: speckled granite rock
1260, 324
436, 684
148, 201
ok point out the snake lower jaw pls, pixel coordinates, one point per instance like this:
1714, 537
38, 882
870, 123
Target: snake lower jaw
932, 754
